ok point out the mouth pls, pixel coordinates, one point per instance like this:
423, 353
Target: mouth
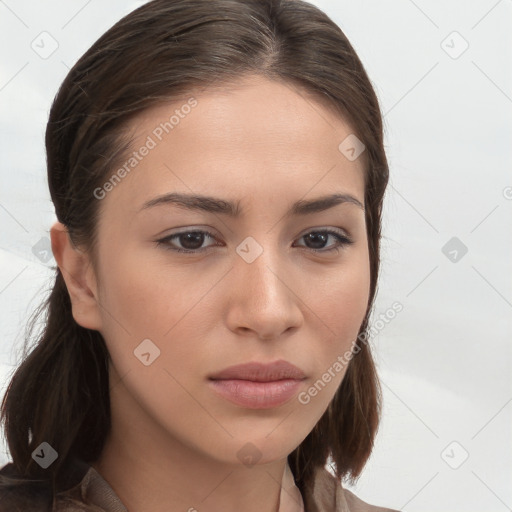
258, 385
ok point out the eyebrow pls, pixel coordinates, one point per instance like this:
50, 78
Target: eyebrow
231, 209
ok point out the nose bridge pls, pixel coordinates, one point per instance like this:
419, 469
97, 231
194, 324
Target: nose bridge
260, 263
263, 295
268, 280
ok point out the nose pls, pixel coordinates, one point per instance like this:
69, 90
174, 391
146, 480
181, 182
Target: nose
265, 299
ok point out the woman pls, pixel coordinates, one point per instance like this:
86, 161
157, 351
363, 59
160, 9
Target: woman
218, 171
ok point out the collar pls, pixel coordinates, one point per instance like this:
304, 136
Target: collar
96, 490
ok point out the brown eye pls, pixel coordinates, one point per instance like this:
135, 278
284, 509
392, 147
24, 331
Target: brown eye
191, 241
319, 238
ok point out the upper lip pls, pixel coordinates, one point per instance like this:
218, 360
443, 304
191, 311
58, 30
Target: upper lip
261, 372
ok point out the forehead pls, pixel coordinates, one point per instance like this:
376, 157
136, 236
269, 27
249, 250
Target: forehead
254, 106
249, 136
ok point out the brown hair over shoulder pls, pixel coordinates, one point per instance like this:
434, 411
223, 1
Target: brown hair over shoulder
161, 52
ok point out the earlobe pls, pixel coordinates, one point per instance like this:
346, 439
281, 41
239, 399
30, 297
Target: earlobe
79, 277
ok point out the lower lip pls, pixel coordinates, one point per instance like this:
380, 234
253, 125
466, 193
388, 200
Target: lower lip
257, 395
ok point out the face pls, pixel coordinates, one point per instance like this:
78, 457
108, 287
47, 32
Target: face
258, 280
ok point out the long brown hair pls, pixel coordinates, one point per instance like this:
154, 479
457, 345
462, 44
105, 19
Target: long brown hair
160, 52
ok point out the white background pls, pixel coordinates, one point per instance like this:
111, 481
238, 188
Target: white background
445, 360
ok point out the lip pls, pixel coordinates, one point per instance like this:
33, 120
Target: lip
258, 385
261, 372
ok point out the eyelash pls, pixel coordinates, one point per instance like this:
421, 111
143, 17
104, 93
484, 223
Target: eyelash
342, 240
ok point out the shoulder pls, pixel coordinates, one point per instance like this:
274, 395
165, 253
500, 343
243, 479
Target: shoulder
328, 495
23, 496
355, 504
18, 494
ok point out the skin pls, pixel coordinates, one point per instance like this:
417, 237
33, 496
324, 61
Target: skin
174, 442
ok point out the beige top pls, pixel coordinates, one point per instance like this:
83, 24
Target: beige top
326, 494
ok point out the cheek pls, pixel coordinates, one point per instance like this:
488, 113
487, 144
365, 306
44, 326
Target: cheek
140, 304
146, 299
143, 300
341, 298
342, 306
338, 307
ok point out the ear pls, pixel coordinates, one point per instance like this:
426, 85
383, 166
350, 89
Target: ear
79, 276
